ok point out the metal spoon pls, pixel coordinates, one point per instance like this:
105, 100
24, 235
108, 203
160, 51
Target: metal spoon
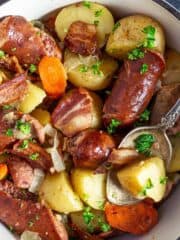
115, 193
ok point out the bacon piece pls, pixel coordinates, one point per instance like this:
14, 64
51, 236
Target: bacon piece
76, 111
165, 99
5, 141
133, 91
11, 63
13, 90
26, 215
21, 172
90, 148
82, 38
19, 38
10, 189
41, 160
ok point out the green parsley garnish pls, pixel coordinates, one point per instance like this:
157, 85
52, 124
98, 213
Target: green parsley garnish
143, 143
83, 68
116, 25
2, 54
96, 68
32, 68
150, 36
24, 144
34, 156
147, 186
7, 107
144, 68
114, 124
87, 4
24, 127
105, 227
9, 132
163, 180
88, 217
96, 22
135, 54
98, 13
145, 115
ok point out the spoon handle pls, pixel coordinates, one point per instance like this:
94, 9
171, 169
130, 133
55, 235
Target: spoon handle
171, 117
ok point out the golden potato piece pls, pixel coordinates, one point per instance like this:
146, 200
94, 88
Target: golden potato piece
144, 179
42, 116
89, 72
33, 98
95, 14
57, 192
175, 161
90, 187
129, 35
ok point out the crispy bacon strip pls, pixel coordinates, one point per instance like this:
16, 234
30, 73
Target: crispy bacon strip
13, 90
21, 172
25, 215
19, 38
82, 38
41, 158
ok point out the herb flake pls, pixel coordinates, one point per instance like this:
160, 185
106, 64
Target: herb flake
24, 144
163, 180
144, 68
96, 22
116, 26
2, 54
34, 156
87, 4
83, 68
150, 36
147, 186
143, 143
98, 13
96, 68
24, 127
32, 68
9, 132
114, 124
135, 54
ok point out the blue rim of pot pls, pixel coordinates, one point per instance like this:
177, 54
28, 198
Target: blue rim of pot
172, 6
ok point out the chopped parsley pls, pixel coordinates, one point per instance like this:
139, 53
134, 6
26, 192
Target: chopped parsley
7, 107
100, 205
114, 124
24, 127
24, 144
88, 217
34, 156
83, 68
2, 54
147, 186
87, 4
32, 68
144, 68
105, 227
135, 54
96, 68
96, 22
9, 132
116, 26
143, 143
163, 180
145, 116
98, 13
150, 36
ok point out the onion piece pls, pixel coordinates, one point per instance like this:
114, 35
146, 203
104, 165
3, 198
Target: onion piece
28, 235
57, 158
37, 180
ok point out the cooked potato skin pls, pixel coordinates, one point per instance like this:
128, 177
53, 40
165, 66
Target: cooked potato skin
86, 110
90, 148
79, 12
129, 35
136, 176
73, 64
90, 187
136, 219
57, 192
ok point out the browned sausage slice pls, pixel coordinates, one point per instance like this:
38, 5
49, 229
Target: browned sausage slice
13, 90
133, 90
35, 155
19, 38
26, 215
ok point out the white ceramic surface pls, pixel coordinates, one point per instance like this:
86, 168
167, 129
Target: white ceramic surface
169, 224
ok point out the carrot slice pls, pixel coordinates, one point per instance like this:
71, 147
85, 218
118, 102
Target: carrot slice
53, 76
3, 171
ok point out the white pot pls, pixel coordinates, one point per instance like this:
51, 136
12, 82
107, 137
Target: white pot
169, 223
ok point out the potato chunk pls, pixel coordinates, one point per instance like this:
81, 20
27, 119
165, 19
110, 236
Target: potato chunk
42, 116
33, 98
90, 187
129, 35
95, 14
144, 179
57, 192
82, 73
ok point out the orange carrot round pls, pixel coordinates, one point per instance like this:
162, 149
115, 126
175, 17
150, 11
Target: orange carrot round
53, 76
3, 171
